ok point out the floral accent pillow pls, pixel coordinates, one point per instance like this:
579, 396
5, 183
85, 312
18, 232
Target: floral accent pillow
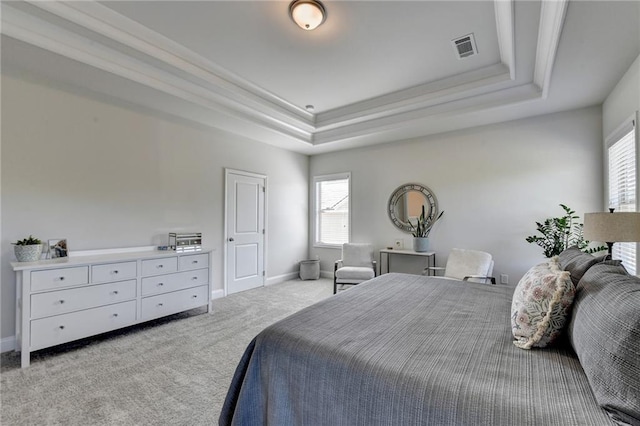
541, 304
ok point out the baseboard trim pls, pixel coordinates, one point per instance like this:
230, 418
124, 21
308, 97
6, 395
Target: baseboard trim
217, 294
8, 344
326, 274
281, 278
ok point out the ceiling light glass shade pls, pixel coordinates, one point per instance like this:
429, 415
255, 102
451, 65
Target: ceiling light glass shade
307, 14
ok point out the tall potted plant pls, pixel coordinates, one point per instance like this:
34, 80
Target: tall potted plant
28, 249
421, 231
559, 233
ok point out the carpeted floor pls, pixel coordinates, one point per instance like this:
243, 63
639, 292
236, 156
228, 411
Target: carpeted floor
173, 371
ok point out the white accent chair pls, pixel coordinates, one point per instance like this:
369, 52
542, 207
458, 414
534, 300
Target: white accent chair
467, 265
357, 265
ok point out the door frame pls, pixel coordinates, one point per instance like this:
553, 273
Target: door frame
227, 172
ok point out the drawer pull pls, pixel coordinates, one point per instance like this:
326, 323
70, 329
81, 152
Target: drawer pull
61, 301
61, 278
194, 278
159, 304
115, 291
195, 296
194, 261
160, 266
62, 327
160, 284
115, 315
115, 272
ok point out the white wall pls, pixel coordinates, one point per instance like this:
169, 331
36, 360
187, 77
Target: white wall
493, 182
623, 100
103, 176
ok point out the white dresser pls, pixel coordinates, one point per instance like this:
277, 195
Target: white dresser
61, 300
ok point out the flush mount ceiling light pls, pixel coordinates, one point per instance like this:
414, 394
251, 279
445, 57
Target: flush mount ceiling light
307, 14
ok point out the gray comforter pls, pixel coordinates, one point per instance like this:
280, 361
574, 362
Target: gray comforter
407, 350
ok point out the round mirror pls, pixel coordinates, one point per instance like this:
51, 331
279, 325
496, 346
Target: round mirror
405, 205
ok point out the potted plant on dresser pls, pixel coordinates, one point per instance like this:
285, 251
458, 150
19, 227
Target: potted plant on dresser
422, 229
28, 249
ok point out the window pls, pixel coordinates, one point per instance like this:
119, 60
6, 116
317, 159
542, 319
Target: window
622, 180
331, 209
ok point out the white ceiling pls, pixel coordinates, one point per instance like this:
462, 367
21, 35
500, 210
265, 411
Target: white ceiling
375, 71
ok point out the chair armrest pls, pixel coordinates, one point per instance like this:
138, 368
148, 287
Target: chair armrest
375, 268
480, 277
337, 264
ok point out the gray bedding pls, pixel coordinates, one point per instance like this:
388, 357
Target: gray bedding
407, 350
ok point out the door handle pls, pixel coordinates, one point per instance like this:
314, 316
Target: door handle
231, 239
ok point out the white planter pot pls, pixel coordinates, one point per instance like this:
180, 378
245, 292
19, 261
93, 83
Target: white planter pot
420, 244
29, 253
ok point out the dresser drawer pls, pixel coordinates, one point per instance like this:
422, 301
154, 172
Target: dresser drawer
171, 303
159, 266
172, 282
194, 261
52, 279
76, 299
113, 272
76, 325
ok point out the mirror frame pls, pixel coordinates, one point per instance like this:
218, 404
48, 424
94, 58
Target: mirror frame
402, 190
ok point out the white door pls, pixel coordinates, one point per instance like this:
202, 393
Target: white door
245, 230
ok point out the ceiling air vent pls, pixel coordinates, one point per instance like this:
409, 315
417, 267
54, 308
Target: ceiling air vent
465, 46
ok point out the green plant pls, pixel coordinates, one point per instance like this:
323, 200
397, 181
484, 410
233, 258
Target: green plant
560, 233
28, 241
424, 224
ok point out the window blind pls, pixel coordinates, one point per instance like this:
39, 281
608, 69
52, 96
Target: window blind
332, 210
623, 190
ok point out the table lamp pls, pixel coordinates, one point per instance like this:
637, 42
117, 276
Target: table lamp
612, 227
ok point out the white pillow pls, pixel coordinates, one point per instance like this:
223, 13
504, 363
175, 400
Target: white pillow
541, 304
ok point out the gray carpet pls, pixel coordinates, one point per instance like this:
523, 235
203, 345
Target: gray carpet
173, 371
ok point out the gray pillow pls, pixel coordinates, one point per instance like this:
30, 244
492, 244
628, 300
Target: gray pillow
604, 330
576, 262
614, 262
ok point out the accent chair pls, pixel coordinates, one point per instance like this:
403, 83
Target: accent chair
357, 265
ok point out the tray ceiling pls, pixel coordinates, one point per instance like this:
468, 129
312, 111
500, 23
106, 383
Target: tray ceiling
374, 72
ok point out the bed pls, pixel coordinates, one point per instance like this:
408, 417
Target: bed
407, 350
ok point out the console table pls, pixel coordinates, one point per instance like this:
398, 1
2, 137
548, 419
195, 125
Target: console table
65, 299
430, 257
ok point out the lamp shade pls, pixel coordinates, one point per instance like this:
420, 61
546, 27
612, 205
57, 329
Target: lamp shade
612, 227
307, 14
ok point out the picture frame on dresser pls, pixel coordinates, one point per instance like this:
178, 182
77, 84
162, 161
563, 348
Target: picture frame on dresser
58, 248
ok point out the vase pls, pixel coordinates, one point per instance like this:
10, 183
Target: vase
420, 244
30, 253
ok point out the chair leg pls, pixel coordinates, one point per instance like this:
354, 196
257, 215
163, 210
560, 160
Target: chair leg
335, 285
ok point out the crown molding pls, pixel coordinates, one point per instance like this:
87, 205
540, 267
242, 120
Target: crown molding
114, 26
32, 30
417, 97
177, 71
505, 17
552, 14
512, 95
